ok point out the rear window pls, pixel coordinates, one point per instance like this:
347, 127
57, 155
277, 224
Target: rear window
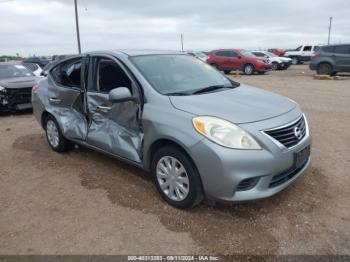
68, 73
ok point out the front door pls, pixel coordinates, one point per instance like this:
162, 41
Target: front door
342, 57
113, 127
66, 98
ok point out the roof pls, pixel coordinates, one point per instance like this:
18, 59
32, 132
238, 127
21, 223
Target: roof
137, 52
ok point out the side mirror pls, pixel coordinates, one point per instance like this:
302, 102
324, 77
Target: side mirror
239, 57
121, 94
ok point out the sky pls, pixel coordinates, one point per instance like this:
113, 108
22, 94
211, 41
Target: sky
47, 27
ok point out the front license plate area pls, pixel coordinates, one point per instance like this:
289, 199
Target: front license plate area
301, 157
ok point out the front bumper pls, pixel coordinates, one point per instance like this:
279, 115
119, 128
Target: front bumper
15, 99
263, 67
223, 169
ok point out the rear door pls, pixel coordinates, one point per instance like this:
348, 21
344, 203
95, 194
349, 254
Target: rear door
233, 61
113, 127
66, 98
342, 57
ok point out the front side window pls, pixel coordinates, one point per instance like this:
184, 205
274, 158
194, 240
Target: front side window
109, 75
170, 74
307, 48
68, 73
258, 54
13, 71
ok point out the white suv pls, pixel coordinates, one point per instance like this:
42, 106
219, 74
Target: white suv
301, 54
277, 62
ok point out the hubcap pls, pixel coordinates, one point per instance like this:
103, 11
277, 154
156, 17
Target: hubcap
248, 69
52, 133
172, 178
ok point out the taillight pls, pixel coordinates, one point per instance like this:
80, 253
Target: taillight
35, 88
316, 54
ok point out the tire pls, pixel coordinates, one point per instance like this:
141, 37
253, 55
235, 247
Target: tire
324, 69
227, 72
295, 60
190, 193
54, 136
248, 69
275, 66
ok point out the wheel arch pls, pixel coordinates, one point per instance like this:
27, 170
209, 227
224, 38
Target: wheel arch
159, 143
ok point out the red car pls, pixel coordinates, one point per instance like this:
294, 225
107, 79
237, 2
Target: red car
237, 59
277, 51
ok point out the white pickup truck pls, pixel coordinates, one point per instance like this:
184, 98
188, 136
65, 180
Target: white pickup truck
301, 54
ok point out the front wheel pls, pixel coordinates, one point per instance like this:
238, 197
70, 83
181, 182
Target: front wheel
295, 60
248, 69
54, 136
176, 178
275, 66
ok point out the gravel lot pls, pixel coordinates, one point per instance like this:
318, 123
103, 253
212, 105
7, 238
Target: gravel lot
82, 202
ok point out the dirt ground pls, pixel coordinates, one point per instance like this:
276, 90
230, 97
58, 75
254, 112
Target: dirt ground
82, 202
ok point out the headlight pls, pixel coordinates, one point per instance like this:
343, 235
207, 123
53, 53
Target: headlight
224, 133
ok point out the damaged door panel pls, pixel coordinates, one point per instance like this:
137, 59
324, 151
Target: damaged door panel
113, 127
66, 99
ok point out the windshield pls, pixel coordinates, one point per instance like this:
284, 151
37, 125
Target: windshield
170, 74
271, 54
12, 71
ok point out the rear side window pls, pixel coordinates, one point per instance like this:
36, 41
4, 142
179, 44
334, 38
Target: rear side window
68, 73
328, 49
342, 49
222, 53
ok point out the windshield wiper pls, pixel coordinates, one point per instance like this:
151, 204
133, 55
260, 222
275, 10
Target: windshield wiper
177, 94
209, 88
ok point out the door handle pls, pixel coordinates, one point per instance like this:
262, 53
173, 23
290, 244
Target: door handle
104, 108
55, 100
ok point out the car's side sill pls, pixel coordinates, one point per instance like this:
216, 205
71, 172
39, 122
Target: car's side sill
82, 143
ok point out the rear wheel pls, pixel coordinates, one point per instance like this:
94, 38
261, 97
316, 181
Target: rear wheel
248, 69
176, 178
324, 69
54, 135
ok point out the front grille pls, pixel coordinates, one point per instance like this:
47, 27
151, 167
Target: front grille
19, 95
285, 176
289, 135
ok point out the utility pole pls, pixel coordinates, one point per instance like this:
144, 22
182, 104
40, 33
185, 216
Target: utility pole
182, 43
77, 25
329, 29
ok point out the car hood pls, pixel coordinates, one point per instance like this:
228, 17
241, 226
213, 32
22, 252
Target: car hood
243, 104
19, 82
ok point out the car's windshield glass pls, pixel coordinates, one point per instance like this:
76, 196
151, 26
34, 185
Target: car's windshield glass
173, 74
247, 54
270, 54
11, 71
